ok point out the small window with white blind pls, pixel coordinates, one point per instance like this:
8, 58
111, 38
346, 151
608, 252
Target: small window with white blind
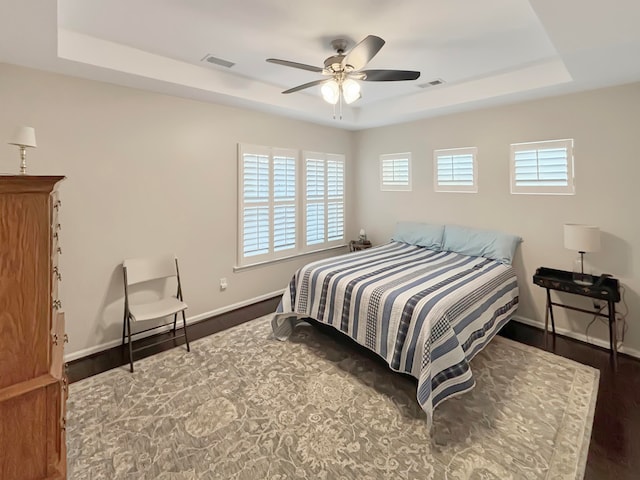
323, 200
395, 172
268, 203
542, 167
455, 170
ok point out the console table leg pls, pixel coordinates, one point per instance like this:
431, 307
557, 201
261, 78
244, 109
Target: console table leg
613, 334
550, 311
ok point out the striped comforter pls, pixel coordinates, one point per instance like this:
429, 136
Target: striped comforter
426, 313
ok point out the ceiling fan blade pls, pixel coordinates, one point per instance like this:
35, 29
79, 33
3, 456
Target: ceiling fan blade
389, 75
301, 66
363, 52
306, 85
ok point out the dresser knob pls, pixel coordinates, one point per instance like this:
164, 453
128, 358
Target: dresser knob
57, 304
54, 336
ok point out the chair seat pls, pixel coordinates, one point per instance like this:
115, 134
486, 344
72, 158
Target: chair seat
153, 310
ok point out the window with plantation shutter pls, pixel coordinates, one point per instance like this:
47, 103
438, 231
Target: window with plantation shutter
455, 170
395, 172
542, 167
268, 201
323, 200
288, 203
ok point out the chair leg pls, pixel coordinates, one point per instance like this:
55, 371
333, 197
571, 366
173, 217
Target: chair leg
186, 339
130, 347
175, 320
124, 326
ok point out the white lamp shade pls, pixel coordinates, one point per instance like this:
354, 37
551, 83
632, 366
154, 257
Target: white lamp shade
581, 238
350, 90
24, 137
331, 92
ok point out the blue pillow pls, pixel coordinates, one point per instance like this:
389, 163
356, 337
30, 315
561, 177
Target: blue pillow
480, 243
422, 234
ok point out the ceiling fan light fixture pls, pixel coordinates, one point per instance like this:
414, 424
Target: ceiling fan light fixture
331, 92
350, 90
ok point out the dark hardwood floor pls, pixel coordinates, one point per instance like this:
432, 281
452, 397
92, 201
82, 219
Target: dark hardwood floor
614, 452
118, 356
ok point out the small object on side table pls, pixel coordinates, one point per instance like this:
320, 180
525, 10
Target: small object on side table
604, 287
357, 245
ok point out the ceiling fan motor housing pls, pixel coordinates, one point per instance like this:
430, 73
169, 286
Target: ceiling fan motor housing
334, 64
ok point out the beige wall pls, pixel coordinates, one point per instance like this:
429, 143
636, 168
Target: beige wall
146, 174
605, 127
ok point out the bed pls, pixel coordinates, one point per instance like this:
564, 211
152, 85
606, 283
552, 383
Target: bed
426, 310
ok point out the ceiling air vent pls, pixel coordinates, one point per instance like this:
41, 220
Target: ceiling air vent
217, 61
432, 83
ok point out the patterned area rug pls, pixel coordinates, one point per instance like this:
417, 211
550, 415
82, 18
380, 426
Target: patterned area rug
244, 406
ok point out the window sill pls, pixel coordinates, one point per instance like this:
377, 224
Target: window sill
284, 259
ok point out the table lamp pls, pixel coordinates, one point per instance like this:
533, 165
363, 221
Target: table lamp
581, 238
23, 137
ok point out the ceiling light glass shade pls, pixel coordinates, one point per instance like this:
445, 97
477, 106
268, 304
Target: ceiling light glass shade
331, 92
350, 90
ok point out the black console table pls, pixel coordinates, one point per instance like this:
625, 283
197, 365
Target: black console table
604, 288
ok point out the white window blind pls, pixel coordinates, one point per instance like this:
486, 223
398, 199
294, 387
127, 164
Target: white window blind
323, 200
455, 170
395, 172
284, 199
288, 203
542, 167
255, 212
268, 203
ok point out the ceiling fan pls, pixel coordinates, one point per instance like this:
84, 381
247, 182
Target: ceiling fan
343, 69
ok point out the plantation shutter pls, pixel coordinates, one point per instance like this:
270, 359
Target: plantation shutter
455, 170
542, 167
315, 201
268, 203
324, 199
255, 214
335, 198
284, 199
288, 203
395, 171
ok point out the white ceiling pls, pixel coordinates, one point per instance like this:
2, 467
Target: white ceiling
488, 52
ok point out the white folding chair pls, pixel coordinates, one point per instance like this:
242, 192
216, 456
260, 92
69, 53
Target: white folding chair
139, 270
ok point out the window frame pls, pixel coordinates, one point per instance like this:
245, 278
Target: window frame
300, 202
325, 157
569, 189
473, 188
270, 203
385, 187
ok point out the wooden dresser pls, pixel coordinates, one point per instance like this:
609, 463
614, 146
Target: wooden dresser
33, 385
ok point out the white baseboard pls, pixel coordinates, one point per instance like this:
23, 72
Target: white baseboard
190, 320
578, 336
